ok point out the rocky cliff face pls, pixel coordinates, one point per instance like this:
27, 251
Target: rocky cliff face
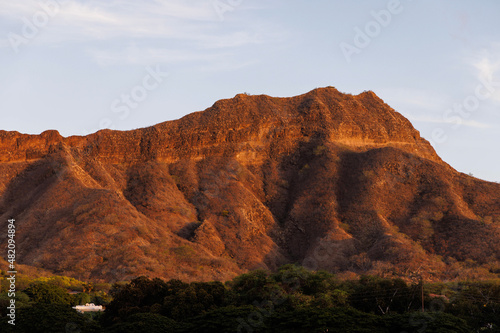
329, 180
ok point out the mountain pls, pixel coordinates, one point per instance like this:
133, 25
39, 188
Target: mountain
329, 180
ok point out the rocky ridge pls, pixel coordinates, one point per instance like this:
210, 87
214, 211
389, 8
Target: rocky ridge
330, 180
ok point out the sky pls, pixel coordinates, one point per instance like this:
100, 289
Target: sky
79, 66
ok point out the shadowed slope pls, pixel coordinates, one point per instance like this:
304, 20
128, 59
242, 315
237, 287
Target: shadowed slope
333, 181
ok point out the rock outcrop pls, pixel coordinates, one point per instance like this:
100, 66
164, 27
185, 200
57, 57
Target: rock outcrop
330, 180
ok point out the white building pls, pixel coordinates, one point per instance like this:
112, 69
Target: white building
89, 307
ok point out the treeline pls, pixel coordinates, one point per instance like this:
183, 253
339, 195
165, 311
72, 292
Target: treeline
45, 304
290, 300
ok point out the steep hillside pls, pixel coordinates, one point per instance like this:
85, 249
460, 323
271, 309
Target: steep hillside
329, 180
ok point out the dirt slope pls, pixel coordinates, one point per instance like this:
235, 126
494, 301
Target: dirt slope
329, 180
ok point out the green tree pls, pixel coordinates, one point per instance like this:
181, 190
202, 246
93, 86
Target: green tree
382, 296
135, 297
48, 293
46, 318
194, 299
81, 298
255, 287
145, 323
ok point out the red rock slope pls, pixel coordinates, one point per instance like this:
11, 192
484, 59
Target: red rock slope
329, 180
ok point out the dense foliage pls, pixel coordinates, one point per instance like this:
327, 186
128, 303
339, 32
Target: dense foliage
290, 300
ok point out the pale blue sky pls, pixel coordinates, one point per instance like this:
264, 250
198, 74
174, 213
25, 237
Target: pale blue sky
69, 66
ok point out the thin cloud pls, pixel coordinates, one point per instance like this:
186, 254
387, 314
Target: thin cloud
418, 99
18, 9
134, 55
437, 120
487, 66
124, 19
194, 26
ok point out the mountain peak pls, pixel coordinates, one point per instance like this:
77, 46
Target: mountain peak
362, 120
253, 181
